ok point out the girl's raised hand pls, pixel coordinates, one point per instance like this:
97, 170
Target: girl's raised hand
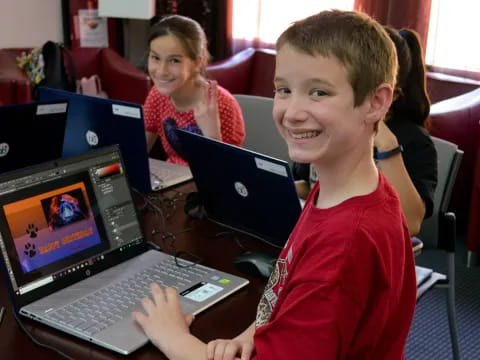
206, 113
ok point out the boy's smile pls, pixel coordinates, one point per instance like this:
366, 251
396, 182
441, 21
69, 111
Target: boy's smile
314, 107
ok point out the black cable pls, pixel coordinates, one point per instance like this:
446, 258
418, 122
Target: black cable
237, 240
166, 208
149, 203
235, 237
165, 235
36, 342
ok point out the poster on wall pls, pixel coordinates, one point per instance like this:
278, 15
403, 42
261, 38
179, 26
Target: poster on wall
93, 29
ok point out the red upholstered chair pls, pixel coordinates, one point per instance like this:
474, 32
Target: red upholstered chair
14, 85
443, 86
457, 120
248, 72
120, 79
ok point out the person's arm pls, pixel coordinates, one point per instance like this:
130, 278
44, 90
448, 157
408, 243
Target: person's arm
231, 118
396, 173
240, 347
151, 138
151, 118
206, 112
301, 175
303, 189
168, 328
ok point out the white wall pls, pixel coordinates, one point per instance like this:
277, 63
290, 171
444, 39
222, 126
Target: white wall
30, 23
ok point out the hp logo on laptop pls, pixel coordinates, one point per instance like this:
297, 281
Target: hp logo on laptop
241, 189
92, 138
4, 149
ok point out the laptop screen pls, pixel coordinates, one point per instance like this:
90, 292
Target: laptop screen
95, 122
31, 133
242, 189
61, 222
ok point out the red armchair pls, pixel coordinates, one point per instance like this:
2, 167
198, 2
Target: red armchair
120, 79
442, 86
14, 85
457, 120
249, 72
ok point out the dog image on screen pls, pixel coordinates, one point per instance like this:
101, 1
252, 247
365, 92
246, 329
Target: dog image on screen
65, 209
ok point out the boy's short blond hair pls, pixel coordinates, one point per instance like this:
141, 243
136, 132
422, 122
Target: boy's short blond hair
360, 43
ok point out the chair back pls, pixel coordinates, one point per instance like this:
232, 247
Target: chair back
449, 158
261, 134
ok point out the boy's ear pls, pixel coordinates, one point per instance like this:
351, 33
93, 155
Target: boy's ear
379, 103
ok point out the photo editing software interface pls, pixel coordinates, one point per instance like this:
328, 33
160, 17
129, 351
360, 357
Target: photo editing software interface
59, 223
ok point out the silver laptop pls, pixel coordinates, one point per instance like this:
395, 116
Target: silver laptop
74, 257
164, 174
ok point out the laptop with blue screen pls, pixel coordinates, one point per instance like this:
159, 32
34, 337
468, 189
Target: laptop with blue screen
95, 122
74, 257
31, 133
242, 189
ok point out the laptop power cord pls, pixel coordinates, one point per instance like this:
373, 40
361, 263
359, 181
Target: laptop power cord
36, 342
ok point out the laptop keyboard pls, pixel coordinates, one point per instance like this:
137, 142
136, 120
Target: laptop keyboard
103, 308
165, 174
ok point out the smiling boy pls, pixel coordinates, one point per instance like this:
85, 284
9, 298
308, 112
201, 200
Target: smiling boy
344, 285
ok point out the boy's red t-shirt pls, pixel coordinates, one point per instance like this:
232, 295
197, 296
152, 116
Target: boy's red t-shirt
344, 286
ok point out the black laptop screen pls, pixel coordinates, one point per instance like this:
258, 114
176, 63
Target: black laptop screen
61, 222
241, 189
31, 133
94, 122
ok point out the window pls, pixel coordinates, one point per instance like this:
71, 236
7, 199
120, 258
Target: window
451, 35
265, 20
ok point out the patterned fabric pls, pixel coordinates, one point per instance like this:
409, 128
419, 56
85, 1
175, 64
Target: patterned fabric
162, 118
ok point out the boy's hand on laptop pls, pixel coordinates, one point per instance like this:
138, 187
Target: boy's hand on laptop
164, 323
206, 113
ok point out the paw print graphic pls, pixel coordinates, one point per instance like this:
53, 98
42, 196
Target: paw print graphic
32, 230
30, 250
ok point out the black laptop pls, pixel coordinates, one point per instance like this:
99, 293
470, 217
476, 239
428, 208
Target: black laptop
242, 189
31, 133
94, 122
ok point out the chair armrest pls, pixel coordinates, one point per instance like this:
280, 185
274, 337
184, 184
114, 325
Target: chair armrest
234, 73
448, 231
121, 80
